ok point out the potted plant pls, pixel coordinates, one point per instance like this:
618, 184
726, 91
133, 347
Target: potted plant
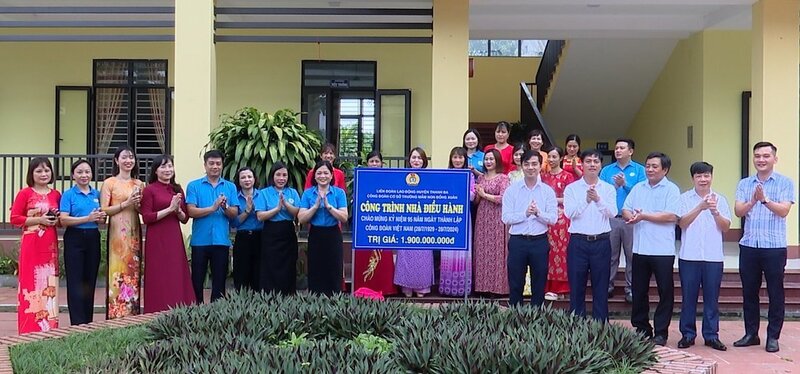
258, 139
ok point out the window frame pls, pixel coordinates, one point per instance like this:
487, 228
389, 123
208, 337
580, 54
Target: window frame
131, 86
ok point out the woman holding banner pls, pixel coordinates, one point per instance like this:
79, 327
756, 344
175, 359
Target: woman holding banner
414, 269
455, 271
374, 269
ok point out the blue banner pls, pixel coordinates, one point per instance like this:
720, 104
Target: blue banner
424, 209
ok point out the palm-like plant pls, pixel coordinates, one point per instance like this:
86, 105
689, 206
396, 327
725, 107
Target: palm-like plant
258, 139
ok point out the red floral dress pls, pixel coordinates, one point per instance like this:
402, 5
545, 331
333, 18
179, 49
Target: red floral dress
567, 166
38, 262
557, 236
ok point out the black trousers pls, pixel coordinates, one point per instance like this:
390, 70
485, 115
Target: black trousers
325, 260
81, 261
522, 253
278, 257
644, 267
771, 262
588, 260
247, 259
202, 255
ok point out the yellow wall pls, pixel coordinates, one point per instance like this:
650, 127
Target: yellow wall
701, 86
494, 88
675, 101
268, 75
726, 74
31, 71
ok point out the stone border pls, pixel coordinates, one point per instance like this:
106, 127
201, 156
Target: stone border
669, 360
9, 341
680, 362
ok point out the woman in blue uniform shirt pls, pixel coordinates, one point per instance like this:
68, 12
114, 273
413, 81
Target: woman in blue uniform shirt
277, 207
324, 206
247, 246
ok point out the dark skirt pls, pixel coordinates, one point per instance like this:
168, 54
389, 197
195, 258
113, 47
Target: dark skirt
247, 259
325, 260
278, 257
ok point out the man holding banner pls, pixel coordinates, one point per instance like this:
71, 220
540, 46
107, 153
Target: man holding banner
528, 207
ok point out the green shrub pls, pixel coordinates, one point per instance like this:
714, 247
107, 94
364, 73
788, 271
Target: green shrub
250, 332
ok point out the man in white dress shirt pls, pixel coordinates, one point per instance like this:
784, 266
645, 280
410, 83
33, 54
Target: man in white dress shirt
705, 215
589, 203
529, 205
652, 207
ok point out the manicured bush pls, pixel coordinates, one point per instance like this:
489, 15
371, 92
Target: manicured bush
250, 332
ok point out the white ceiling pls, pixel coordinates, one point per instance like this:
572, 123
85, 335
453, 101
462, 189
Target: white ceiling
569, 19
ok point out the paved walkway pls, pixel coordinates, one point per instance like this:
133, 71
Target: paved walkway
735, 360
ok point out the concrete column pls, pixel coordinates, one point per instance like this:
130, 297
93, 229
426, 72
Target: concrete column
195, 85
450, 58
776, 102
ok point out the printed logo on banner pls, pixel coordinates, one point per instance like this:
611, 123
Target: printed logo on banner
425, 209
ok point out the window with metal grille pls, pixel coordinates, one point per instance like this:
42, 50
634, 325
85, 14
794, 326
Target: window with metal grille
131, 106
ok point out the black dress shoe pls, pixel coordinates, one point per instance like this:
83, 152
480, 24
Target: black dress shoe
716, 344
747, 340
772, 345
686, 343
660, 340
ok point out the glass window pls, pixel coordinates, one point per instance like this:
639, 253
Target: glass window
533, 48
131, 101
478, 47
504, 48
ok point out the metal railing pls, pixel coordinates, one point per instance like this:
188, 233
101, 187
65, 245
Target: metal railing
14, 168
530, 115
547, 69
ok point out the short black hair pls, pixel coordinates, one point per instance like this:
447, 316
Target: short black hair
239, 172
766, 144
574, 137
701, 167
213, 154
374, 153
457, 151
591, 152
78, 163
558, 150
35, 162
503, 124
630, 142
666, 163
477, 135
320, 164
278, 165
157, 162
531, 153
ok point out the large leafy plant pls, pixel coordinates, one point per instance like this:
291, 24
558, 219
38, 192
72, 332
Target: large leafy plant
258, 139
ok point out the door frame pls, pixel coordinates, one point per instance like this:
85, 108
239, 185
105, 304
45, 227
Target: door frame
89, 116
393, 92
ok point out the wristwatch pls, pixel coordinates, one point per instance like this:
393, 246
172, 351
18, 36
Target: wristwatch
765, 201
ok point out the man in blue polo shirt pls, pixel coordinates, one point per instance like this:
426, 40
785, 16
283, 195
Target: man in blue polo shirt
212, 201
623, 175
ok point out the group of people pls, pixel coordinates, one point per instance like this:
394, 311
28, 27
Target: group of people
261, 262
545, 222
